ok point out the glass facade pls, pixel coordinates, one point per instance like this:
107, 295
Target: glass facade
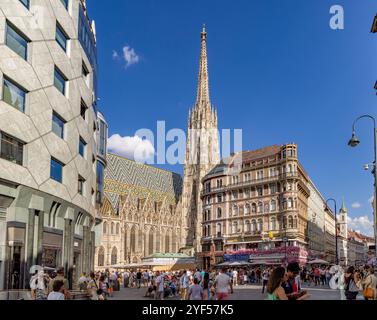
11, 149
26, 3
58, 125
82, 146
102, 138
59, 81
88, 43
61, 38
65, 3
14, 95
16, 42
56, 170
100, 178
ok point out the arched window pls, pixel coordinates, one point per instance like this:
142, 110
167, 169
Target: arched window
218, 229
253, 226
247, 209
260, 207
290, 222
284, 222
209, 231
273, 205
235, 227
290, 203
167, 243
118, 228
267, 208
248, 226
151, 244
219, 213
273, 224
105, 227
295, 222
254, 208
260, 225
235, 210
101, 257
112, 228
133, 239
114, 256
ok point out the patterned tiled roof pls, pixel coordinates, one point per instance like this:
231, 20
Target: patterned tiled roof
123, 175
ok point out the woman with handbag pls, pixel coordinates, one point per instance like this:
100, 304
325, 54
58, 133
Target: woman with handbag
351, 284
370, 284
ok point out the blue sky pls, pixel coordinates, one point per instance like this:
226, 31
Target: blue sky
277, 71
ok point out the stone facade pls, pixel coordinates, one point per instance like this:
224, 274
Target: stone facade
256, 207
47, 220
141, 213
202, 153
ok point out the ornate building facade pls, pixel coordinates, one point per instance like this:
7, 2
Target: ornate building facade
141, 213
262, 207
202, 153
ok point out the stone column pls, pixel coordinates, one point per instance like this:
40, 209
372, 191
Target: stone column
146, 243
41, 216
29, 246
85, 250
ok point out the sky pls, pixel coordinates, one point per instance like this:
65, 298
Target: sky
276, 70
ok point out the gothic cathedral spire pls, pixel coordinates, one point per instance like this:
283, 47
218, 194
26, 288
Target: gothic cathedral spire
202, 153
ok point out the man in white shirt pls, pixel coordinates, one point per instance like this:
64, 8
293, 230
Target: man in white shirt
222, 284
184, 284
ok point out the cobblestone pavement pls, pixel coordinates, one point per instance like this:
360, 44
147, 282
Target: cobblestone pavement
248, 292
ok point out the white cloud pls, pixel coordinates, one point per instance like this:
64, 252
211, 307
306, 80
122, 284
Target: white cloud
133, 148
356, 205
115, 55
370, 200
130, 56
362, 224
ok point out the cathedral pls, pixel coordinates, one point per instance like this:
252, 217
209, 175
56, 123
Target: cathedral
147, 210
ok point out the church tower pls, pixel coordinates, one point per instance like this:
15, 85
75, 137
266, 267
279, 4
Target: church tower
202, 153
342, 222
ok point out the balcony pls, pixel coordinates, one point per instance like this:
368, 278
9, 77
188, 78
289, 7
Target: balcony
287, 175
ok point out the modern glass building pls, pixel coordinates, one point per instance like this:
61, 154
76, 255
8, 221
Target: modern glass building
52, 139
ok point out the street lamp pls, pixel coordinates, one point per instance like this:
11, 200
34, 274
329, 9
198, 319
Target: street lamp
336, 230
354, 142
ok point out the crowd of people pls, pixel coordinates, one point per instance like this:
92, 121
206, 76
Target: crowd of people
279, 283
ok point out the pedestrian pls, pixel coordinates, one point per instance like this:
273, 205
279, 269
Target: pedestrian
206, 285
265, 277
93, 287
370, 284
39, 286
291, 287
57, 291
138, 279
223, 285
276, 280
60, 277
351, 287
83, 282
160, 286
195, 291
126, 279
146, 278
184, 285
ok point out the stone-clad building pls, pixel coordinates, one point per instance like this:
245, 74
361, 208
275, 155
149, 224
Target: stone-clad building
141, 213
48, 138
263, 203
202, 153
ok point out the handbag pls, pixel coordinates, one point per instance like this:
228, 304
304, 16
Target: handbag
368, 293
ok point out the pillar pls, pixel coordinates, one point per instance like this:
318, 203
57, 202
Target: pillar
40, 237
29, 247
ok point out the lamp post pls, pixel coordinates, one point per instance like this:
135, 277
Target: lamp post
354, 142
336, 230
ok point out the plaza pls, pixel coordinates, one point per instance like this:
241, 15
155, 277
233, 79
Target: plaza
247, 292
